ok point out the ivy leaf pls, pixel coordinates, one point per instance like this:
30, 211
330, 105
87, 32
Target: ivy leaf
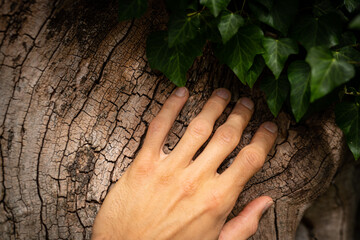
278, 14
182, 29
347, 38
276, 53
276, 91
239, 52
310, 31
229, 25
348, 54
255, 71
351, 5
129, 9
209, 27
355, 23
194, 5
173, 62
348, 119
327, 72
321, 7
215, 6
299, 78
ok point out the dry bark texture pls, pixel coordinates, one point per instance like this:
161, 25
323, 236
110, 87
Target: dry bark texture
335, 215
76, 97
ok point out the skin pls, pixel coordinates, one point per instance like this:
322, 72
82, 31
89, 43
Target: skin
170, 196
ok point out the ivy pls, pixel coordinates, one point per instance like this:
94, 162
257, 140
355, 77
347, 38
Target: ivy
327, 72
215, 6
131, 8
240, 51
299, 78
275, 13
301, 52
173, 62
182, 29
351, 5
348, 119
313, 31
255, 70
229, 25
276, 53
276, 91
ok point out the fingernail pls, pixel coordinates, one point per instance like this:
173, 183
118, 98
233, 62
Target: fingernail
271, 127
180, 92
247, 103
267, 206
223, 93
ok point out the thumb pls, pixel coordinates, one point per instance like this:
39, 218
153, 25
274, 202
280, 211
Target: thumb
246, 223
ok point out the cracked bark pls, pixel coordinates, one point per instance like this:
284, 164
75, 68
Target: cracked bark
76, 97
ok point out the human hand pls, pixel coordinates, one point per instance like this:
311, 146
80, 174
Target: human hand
169, 196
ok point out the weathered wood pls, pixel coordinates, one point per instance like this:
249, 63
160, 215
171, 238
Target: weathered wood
76, 97
335, 215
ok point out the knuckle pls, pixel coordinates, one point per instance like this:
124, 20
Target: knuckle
156, 125
253, 228
189, 186
228, 135
141, 170
215, 200
252, 157
225, 235
170, 104
200, 128
165, 179
240, 118
214, 105
250, 223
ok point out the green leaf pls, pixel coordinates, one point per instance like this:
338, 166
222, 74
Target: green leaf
173, 62
276, 91
215, 6
322, 31
278, 14
255, 71
239, 52
229, 25
321, 7
194, 5
355, 23
276, 53
348, 119
348, 54
182, 29
351, 5
209, 27
347, 38
129, 9
327, 72
299, 78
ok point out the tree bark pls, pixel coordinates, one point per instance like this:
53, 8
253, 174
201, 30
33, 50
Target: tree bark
77, 95
335, 214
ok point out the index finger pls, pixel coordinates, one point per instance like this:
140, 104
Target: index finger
162, 123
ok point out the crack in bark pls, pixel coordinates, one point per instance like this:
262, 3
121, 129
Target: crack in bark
276, 222
38, 182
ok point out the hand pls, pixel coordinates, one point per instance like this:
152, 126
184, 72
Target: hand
172, 197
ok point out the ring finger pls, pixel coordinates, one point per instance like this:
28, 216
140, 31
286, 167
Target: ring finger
200, 129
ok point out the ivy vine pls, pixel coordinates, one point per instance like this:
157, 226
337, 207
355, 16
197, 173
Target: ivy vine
306, 52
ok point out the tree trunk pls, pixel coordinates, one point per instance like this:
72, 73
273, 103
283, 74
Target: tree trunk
77, 95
